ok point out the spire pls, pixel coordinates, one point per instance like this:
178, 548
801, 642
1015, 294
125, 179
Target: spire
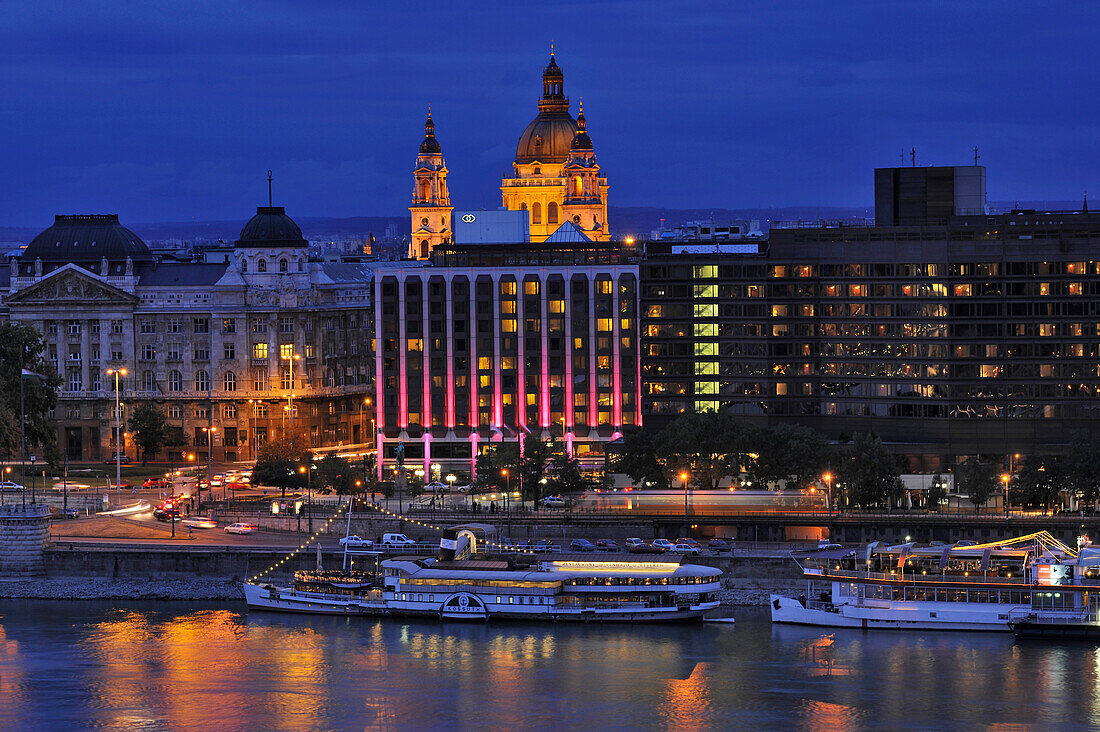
1085, 205
553, 87
430, 146
269, 204
581, 140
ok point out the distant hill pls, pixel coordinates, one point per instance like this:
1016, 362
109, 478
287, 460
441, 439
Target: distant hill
624, 220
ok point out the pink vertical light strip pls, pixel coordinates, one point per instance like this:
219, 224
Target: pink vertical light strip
402, 358
593, 408
425, 360
379, 404
475, 409
544, 405
616, 354
521, 353
498, 401
448, 333
567, 408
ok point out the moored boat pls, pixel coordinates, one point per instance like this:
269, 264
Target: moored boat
944, 587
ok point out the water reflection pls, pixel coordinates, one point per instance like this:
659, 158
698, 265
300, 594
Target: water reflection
166, 666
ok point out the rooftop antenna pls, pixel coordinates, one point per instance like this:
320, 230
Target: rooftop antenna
269, 204
902, 156
913, 156
976, 156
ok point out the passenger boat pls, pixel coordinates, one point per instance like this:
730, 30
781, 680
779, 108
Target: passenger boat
946, 587
462, 585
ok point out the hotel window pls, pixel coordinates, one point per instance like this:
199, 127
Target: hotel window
309, 350
148, 352
229, 411
75, 382
97, 381
230, 381
286, 325
175, 411
202, 353
229, 351
175, 381
95, 327
116, 327
259, 325
175, 325
202, 380
173, 353
74, 327
261, 410
148, 381
147, 326
202, 325
259, 350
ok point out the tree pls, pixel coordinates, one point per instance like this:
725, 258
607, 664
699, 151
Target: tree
637, 459
709, 446
794, 454
22, 347
500, 456
1038, 482
149, 426
335, 473
869, 472
1081, 470
278, 460
978, 480
935, 493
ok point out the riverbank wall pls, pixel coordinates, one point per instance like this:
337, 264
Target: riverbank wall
105, 572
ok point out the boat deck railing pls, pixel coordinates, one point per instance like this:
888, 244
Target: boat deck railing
910, 577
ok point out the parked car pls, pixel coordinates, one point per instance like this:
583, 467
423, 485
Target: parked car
9, 485
682, 548
544, 545
165, 513
607, 545
665, 544
356, 542
434, 486
117, 459
647, 549
582, 545
200, 522
396, 540
240, 528
720, 545
633, 542
554, 502
155, 483
70, 513
688, 540
826, 544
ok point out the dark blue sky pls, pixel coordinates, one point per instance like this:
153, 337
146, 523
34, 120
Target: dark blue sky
176, 112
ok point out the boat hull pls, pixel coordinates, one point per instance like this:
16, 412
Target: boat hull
1069, 631
894, 616
274, 599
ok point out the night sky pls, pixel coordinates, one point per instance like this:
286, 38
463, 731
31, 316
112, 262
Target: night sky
175, 113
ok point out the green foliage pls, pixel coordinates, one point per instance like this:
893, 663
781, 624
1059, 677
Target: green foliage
278, 460
636, 458
334, 473
708, 446
1081, 470
978, 480
149, 427
935, 493
794, 454
22, 347
1038, 482
499, 456
868, 473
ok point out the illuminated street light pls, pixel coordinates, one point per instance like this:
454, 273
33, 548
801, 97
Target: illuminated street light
118, 426
1005, 478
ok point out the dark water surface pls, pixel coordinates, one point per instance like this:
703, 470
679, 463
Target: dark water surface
154, 666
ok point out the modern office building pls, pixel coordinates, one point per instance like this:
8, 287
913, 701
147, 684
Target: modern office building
226, 348
980, 335
491, 343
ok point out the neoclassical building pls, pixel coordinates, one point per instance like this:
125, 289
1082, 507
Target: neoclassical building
226, 348
556, 176
557, 179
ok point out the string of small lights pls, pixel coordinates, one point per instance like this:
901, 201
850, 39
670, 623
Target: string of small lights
343, 507
433, 527
387, 512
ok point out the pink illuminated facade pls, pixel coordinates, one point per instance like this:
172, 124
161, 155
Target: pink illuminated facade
467, 355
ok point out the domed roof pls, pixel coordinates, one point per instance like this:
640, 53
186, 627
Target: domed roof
271, 227
430, 146
87, 239
547, 139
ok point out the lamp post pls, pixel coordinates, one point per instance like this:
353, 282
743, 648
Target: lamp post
1005, 478
684, 479
291, 357
307, 471
507, 484
118, 426
828, 478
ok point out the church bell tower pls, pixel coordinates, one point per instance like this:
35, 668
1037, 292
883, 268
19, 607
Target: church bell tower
431, 201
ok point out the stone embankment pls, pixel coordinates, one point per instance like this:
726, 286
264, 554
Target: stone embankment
105, 588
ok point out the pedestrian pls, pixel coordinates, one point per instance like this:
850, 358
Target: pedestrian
188, 531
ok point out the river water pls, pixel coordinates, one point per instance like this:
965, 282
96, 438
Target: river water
161, 666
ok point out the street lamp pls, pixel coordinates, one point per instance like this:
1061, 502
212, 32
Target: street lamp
1005, 478
118, 426
309, 493
828, 478
290, 356
209, 463
507, 484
